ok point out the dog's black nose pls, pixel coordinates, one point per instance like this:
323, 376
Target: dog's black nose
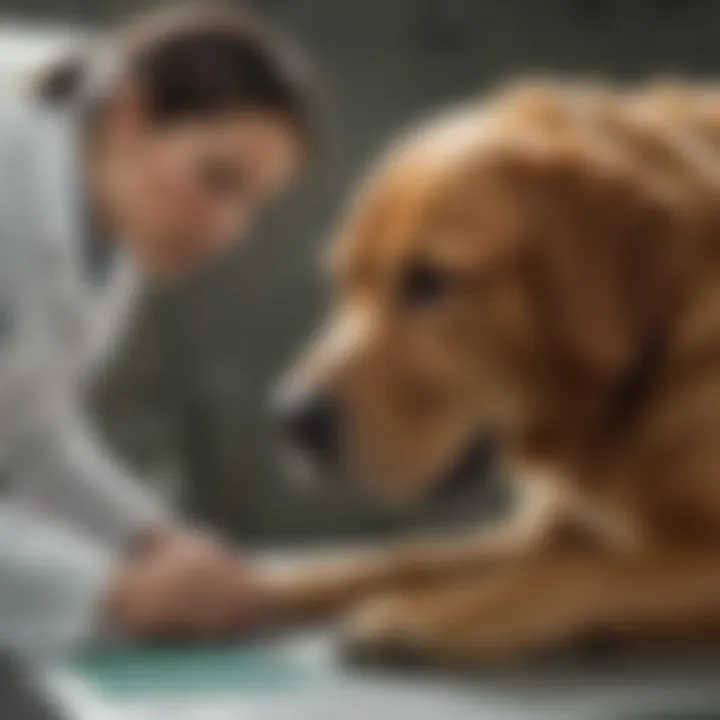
309, 422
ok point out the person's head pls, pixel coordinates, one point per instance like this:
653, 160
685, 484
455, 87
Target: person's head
199, 119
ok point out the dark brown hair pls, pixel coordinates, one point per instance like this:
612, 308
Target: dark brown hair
190, 63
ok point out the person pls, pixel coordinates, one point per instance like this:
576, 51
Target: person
135, 163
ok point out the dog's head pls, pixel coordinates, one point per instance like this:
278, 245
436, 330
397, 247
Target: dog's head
496, 258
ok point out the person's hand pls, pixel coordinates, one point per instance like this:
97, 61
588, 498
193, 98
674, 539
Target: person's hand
179, 584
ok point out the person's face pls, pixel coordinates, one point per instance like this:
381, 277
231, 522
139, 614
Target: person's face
183, 192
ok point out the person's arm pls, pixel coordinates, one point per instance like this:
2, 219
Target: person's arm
52, 584
56, 583
61, 591
48, 455
61, 467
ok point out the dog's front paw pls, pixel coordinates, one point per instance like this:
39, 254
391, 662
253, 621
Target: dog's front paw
387, 632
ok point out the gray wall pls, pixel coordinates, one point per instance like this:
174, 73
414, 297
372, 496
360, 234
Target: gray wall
190, 388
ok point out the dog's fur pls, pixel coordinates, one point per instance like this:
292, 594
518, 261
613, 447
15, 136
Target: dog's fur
572, 234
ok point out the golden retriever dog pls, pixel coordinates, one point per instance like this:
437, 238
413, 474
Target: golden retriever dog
539, 272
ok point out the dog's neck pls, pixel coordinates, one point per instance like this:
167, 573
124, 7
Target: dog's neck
583, 419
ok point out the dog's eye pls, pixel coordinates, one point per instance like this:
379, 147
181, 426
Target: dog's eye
422, 284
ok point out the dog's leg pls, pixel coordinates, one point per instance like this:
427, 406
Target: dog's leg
320, 588
539, 605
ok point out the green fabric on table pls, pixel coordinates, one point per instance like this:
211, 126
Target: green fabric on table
243, 669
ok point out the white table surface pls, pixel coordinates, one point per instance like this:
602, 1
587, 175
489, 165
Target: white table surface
680, 688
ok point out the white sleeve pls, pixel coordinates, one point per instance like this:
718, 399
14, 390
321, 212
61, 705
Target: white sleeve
52, 584
49, 456
64, 469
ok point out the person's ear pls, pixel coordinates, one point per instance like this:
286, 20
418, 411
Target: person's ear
126, 116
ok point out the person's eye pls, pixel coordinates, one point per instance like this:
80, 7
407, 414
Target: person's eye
422, 284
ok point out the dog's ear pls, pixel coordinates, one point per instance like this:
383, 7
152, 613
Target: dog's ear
607, 255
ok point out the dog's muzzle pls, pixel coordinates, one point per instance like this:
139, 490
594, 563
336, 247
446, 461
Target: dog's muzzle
308, 423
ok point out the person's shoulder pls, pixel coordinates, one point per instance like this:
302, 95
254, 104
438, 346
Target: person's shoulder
32, 174
25, 129
24, 123
36, 164
20, 115
16, 119
17, 149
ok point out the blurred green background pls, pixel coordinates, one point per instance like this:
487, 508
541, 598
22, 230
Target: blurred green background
186, 398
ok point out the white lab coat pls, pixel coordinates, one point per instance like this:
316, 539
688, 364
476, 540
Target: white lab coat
67, 508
